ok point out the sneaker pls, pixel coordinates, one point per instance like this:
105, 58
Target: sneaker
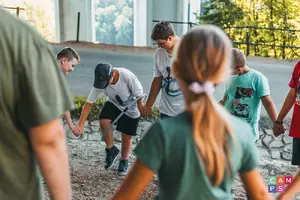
111, 155
123, 167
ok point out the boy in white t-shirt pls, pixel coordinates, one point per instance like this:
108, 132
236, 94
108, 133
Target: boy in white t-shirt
119, 85
171, 102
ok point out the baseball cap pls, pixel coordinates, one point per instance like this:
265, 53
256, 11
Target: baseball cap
103, 73
238, 58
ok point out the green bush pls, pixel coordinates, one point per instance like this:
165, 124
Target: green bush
96, 109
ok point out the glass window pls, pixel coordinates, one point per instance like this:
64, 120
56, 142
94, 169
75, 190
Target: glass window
114, 21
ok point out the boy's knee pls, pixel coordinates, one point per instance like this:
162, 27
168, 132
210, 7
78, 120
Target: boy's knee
126, 137
104, 123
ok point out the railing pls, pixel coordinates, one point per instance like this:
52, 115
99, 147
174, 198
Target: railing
281, 41
14, 8
247, 38
190, 24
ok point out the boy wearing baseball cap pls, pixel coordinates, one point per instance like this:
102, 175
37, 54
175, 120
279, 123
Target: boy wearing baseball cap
245, 91
119, 85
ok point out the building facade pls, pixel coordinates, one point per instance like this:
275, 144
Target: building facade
139, 16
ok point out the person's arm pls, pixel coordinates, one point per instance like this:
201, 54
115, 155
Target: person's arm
287, 105
49, 144
264, 93
291, 189
155, 88
86, 108
45, 98
156, 82
141, 106
254, 185
67, 117
223, 101
270, 107
135, 182
79, 129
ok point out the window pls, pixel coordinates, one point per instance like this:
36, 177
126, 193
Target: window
114, 22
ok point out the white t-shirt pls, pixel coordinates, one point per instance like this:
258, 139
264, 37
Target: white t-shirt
127, 87
171, 103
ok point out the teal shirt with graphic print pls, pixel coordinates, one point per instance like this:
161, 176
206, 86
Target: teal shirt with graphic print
244, 94
168, 149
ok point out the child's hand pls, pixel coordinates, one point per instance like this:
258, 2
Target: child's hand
278, 129
145, 111
78, 131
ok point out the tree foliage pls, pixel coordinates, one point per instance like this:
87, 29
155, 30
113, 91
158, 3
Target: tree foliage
114, 21
266, 14
39, 15
221, 13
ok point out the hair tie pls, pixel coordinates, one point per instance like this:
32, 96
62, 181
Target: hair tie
206, 87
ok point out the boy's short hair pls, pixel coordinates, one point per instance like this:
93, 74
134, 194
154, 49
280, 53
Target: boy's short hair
238, 58
162, 31
68, 52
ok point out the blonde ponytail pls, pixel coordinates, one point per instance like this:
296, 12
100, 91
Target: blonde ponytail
201, 62
210, 133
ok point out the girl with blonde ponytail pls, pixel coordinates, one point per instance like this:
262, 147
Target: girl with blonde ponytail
198, 153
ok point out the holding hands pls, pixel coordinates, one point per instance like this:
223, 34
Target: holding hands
278, 128
78, 130
146, 111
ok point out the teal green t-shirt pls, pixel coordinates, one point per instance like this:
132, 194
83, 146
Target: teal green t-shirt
168, 149
244, 94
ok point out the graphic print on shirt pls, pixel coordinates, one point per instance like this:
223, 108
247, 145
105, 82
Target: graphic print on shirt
298, 93
169, 84
239, 108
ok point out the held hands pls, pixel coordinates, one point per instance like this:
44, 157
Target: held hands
278, 129
78, 130
145, 111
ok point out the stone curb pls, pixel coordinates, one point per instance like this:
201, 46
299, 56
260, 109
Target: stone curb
278, 148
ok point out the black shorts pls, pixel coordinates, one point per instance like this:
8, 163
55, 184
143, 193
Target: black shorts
125, 124
296, 151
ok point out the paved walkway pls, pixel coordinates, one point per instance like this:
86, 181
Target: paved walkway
278, 73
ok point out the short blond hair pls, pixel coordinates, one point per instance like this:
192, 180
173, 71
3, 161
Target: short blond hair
68, 52
238, 58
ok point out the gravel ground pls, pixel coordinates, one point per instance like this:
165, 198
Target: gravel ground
90, 181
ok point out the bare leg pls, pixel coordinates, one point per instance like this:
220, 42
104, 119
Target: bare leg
109, 138
126, 146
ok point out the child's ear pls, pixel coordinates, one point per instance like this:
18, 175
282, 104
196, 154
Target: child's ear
63, 60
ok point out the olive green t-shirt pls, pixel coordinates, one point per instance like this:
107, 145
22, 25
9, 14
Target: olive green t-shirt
168, 149
33, 92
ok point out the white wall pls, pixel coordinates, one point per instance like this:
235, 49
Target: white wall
195, 8
140, 22
57, 24
167, 10
68, 10
144, 12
